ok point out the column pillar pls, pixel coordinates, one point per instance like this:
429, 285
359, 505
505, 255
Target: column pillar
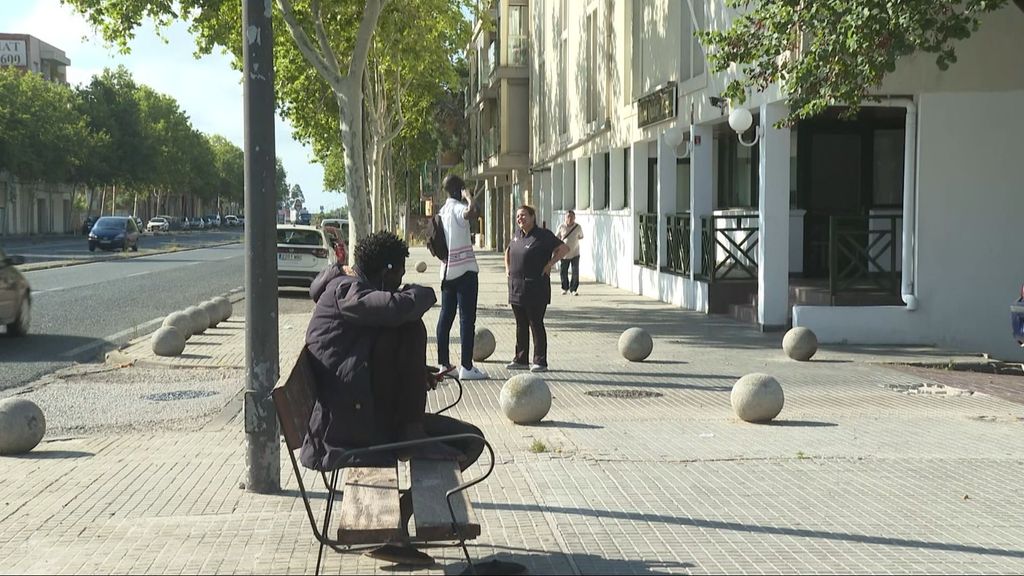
773, 221
702, 192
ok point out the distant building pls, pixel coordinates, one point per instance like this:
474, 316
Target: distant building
35, 208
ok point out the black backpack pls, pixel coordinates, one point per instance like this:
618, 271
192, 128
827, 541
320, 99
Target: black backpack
436, 241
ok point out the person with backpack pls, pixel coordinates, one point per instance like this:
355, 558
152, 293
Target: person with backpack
449, 239
570, 233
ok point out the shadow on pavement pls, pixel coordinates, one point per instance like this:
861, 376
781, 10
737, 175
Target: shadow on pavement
43, 347
754, 528
52, 455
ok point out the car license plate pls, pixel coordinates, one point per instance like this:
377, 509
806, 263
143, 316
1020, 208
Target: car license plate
289, 256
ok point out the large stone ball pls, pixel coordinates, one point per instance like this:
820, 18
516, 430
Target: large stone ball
226, 307
757, 398
214, 311
421, 266
483, 344
167, 341
22, 425
635, 344
525, 398
800, 343
200, 319
181, 321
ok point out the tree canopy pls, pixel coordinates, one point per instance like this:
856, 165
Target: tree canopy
835, 52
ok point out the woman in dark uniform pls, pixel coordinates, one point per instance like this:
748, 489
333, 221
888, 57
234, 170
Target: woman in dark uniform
528, 261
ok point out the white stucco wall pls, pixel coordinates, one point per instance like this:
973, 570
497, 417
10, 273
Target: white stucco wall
970, 207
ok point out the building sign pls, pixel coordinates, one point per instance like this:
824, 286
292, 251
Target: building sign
657, 106
13, 53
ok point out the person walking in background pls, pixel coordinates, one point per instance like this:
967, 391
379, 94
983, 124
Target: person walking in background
570, 233
460, 279
528, 261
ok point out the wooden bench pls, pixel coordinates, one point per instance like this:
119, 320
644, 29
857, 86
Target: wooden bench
373, 508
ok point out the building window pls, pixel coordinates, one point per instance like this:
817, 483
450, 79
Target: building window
563, 83
542, 81
652, 185
691, 55
593, 93
639, 31
518, 47
626, 187
602, 186
737, 172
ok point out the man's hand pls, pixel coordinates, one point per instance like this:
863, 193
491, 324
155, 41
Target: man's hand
548, 267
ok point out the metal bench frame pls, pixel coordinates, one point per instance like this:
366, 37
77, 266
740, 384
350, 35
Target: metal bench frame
285, 405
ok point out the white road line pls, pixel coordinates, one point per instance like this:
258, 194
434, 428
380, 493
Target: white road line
113, 338
137, 274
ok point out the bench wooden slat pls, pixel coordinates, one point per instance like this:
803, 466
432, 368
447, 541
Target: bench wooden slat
370, 512
431, 480
294, 397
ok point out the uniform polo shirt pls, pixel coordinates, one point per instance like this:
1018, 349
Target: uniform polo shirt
527, 256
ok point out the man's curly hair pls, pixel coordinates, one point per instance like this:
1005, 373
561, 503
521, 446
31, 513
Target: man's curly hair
376, 251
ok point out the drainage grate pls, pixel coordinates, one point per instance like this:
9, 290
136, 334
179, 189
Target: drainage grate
625, 394
179, 395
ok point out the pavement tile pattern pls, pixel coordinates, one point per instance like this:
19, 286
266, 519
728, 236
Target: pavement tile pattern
856, 475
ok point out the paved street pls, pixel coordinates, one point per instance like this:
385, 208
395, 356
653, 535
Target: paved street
75, 248
80, 311
640, 468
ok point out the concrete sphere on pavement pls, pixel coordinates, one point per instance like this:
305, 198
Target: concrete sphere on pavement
167, 341
213, 310
226, 307
635, 344
200, 319
525, 398
22, 425
757, 398
483, 344
421, 266
181, 321
800, 343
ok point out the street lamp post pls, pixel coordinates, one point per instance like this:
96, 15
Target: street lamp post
263, 448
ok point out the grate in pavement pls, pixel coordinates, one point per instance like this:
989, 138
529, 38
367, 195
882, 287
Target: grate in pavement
179, 395
624, 393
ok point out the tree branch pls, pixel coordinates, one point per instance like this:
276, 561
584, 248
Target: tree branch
371, 13
305, 46
321, 36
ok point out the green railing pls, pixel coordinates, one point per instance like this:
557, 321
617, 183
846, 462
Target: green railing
648, 240
489, 144
678, 237
862, 254
728, 248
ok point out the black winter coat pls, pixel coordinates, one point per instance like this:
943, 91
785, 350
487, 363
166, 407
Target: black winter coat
340, 339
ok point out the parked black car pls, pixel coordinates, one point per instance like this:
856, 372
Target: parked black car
15, 296
114, 233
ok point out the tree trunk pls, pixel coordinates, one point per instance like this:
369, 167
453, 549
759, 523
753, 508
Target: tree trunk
351, 127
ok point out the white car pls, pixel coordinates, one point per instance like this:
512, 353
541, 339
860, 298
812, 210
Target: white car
302, 253
231, 220
158, 224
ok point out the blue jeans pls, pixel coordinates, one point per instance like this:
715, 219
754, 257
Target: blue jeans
461, 292
573, 262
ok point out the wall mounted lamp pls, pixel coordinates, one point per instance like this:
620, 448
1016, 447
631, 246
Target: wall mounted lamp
740, 120
675, 137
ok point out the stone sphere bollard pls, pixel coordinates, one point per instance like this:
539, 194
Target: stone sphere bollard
226, 307
635, 344
200, 319
525, 398
167, 341
757, 398
800, 343
483, 344
421, 266
181, 321
214, 311
22, 425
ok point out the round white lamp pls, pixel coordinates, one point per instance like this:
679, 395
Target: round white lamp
740, 120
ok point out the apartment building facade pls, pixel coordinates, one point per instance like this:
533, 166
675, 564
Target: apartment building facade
497, 113
895, 227
33, 207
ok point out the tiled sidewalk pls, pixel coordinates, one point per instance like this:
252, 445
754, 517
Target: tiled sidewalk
855, 477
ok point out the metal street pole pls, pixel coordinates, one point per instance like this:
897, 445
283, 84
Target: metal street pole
263, 448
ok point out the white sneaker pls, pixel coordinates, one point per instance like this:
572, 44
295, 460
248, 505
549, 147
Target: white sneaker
538, 368
575, 293
564, 292
516, 366
473, 373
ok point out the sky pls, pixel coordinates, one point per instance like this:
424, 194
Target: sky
208, 90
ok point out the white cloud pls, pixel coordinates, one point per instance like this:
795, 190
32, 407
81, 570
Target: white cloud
208, 89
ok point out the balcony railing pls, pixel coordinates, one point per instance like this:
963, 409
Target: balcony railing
729, 247
490, 59
677, 232
489, 144
648, 240
862, 255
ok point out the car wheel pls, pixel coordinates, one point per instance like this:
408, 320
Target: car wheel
20, 325
92, 247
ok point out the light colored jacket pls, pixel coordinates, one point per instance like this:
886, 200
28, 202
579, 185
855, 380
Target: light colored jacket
571, 236
461, 258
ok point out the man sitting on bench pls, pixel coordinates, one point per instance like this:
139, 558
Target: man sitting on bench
368, 348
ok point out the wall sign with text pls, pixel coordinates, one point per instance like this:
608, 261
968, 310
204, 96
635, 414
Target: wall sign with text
657, 106
13, 53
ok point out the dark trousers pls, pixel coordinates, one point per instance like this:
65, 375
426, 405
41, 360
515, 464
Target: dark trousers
398, 371
564, 270
530, 319
460, 293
